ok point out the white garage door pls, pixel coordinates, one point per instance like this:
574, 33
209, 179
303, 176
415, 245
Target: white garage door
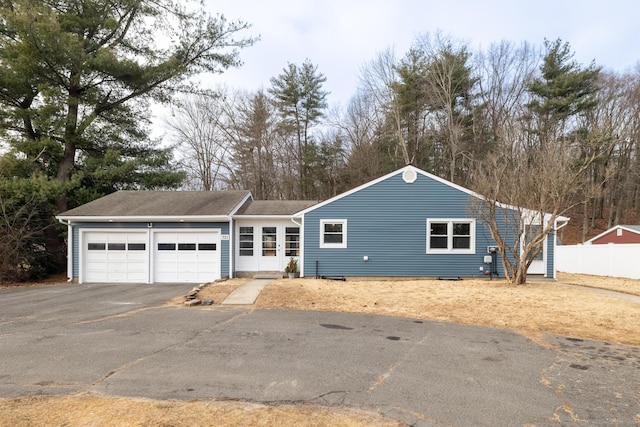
186, 257
115, 257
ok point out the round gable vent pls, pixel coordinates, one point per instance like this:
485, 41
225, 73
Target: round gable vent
409, 176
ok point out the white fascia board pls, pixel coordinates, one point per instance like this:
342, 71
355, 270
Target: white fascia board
601, 234
563, 220
239, 205
186, 218
237, 217
532, 217
527, 213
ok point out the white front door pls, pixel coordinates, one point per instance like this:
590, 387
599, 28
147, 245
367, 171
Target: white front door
538, 264
270, 257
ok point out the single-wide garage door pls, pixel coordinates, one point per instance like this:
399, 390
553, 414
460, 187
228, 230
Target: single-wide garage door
186, 257
115, 257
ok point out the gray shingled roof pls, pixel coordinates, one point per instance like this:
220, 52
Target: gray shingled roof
161, 203
632, 227
274, 207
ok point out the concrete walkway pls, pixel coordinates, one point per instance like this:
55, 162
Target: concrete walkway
247, 293
616, 294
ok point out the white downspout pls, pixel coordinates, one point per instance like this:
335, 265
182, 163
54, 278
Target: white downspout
231, 239
562, 226
301, 256
555, 246
69, 249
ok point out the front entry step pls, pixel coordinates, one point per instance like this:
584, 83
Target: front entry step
268, 275
260, 274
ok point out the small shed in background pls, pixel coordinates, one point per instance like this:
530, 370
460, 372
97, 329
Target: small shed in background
617, 234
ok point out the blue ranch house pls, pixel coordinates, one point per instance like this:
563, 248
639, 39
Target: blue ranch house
407, 223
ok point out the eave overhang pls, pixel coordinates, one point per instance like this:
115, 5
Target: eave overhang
116, 219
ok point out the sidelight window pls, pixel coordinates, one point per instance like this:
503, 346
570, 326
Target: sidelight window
292, 241
246, 241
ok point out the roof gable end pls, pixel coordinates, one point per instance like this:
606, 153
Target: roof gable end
409, 168
630, 228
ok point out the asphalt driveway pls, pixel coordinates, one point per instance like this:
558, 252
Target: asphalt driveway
123, 340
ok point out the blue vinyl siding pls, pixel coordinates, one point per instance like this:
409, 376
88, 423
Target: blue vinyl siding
387, 223
550, 267
75, 247
77, 226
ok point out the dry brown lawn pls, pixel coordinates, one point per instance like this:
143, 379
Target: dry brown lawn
533, 309
117, 412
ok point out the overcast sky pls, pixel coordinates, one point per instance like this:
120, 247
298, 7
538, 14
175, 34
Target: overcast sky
340, 36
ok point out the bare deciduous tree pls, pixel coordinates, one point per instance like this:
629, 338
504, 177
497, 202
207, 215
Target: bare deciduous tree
360, 130
379, 82
525, 192
255, 151
535, 176
200, 131
505, 70
449, 82
22, 254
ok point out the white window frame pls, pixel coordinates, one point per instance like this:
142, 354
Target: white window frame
449, 249
288, 250
240, 241
344, 233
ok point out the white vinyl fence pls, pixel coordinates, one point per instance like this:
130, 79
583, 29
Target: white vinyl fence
615, 260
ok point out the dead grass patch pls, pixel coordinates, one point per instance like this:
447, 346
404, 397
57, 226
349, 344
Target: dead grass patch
532, 309
78, 411
215, 291
219, 291
56, 279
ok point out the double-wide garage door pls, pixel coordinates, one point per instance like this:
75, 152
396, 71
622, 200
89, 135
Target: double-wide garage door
151, 256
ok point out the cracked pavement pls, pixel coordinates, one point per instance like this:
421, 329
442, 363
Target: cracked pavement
122, 340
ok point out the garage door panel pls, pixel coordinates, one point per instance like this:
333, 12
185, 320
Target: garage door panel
96, 237
117, 276
108, 257
188, 266
117, 257
186, 256
136, 276
137, 257
117, 265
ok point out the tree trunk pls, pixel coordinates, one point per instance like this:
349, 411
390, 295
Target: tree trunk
64, 174
69, 157
618, 214
610, 215
520, 278
585, 221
